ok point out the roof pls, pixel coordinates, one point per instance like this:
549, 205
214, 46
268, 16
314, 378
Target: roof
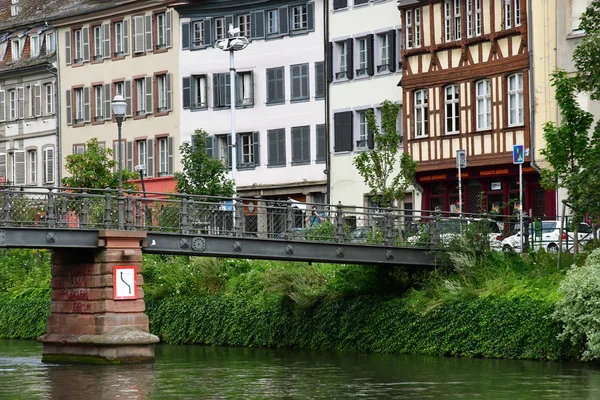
25, 63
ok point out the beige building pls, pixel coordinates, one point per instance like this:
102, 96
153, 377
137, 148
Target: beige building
127, 48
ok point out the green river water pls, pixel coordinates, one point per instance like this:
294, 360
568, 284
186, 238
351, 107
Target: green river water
198, 372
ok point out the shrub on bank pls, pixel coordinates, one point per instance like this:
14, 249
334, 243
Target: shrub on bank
23, 318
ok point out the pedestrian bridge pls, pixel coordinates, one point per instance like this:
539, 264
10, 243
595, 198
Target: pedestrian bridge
209, 226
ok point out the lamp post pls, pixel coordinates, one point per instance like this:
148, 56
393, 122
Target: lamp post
233, 43
119, 107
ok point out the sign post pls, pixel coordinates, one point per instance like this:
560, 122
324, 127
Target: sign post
461, 162
519, 158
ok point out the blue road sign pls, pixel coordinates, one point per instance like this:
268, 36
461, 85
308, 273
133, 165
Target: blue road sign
518, 154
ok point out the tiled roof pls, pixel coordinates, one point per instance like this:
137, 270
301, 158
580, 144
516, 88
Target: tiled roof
27, 63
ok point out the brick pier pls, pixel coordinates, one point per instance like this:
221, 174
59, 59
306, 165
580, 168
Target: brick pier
87, 324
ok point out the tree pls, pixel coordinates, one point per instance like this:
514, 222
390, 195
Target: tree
587, 53
202, 174
95, 168
387, 176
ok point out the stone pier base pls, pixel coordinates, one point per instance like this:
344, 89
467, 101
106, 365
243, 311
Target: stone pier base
86, 323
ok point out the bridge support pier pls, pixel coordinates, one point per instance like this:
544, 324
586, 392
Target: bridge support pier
86, 323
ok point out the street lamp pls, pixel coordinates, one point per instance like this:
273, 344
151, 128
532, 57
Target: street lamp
119, 107
233, 43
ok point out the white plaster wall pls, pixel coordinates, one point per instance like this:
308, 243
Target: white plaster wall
257, 57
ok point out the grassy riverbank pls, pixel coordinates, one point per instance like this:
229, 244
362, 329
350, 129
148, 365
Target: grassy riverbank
482, 306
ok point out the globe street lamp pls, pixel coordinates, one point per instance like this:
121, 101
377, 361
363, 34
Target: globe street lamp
119, 107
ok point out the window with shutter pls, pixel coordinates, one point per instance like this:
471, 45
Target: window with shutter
247, 150
300, 145
342, 131
320, 79
139, 34
321, 144
18, 167
3, 171
32, 162
222, 93
339, 4
244, 89
2, 105
276, 151
48, 160
275, 85
198, 91
299, 82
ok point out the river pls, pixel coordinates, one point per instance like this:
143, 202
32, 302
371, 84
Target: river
198, 372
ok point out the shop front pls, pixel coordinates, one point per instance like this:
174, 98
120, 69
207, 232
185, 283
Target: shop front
492, 189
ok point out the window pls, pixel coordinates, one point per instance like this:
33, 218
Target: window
198, 34
578, 7
299, 20
339, 4
319, 80
50, 43
140, 91
275, 85
18, 167
474, 18
272, 22
342, 127
78, 148
220, 28
16, 49
78, 46
163, 86
32, 162
452, 110
97, 41
244, 25
421, 113
301, 145
142, 153
13, 105
221, 89
247, 147
452, 25
409, 29
35, 46
276, 152
417, 27
457, 24
477, 17
300, 85
99, 103
223, 151
49, 95
362, 56
79, 105
484, 112
29, 102
512, 13
161, 31
321, 144
119, 38
244, 87
515, 99
48, 161
14, 8
199, 99
363, 129
165, 156
384, 55
342, 63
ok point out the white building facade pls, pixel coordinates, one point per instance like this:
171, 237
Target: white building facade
364, 69
280, 101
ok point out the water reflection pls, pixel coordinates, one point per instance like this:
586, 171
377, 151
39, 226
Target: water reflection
196, 372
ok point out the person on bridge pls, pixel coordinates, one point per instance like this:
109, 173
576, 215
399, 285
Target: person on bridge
314, 219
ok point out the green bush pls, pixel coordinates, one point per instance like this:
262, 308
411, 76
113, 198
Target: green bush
23, 318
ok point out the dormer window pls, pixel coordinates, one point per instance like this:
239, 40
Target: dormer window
14, 8
16, 49
50, 43
35, 46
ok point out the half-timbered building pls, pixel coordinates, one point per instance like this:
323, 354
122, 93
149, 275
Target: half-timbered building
467, 80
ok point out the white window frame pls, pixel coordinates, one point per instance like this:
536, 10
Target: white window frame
34, 44
220, 29
483, 104
15, 49
142, 152
470, 29
163, 156
452, 109
140, 89
515, 99
299, 18
361, 56
50, 42
49, 93
14, 8
383, 52
13, 105
408, 29
32, 162
119, 36
418, 42
78, 46
244, 25
447, 20
199, 88
198, 33
245, 88
97, 30
99, 103
78, 105
30, 100
247, 149
161, 84
457, 21
421, 108
161, 30
341, 60
48, 162
478, 24
273, 22
362, 129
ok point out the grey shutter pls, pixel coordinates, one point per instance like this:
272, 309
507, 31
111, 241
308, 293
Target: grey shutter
271, 96
294, 77
105, 40
342, 131
370, 56
68, 107
224, 89
209, 146
337, 4
68, 55
330, 62
139, 33
229, 151
187, 92
129, 109
216, 99
272, 157
321, 143
319, 79
256, 143
392, 50
305, 81
19, 167
208, 30
280, 84
238, 150
21, 105
28, 99
350, 58
306, 143
85, 34
125, 37
107, 101
86, 104
37, 105
257, 24
296, 144
185, 36
310, 16
168, 25
149, 97
2, 106
130, 155
284, 21
169, 92
148, 33
150, 158
49, 164
3, 165
170, 151
370, 136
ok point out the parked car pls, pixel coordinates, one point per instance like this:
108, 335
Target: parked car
444, 231
546, 235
